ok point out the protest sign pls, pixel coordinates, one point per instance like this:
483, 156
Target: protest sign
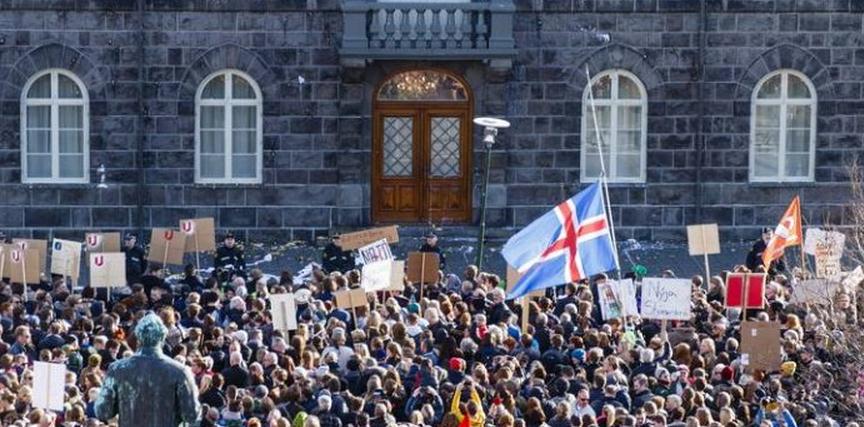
22, 264
703, 239
666, 299
423, 267
760, 346
815, 236
376, 251
376, 276
167, 246
66, 258
107, 269
41, 247
200, 234
818, 291
355, 240
828, 252
102, 242
351, 298
853, 279
49, 385
751, 284
617, 299
397, 276
3, 250
283, 311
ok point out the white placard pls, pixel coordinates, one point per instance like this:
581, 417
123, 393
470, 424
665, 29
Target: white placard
374, 252
853, 279
666, 299
376, 276
49, 385
283, 309
617, 299
817, 235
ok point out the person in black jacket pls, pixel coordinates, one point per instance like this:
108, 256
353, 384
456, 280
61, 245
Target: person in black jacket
754, 257
336, 259
431, 245
136, 262
229, 261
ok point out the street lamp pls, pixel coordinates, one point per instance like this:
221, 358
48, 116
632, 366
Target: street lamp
490, 131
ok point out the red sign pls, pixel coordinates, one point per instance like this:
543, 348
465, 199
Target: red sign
751, 283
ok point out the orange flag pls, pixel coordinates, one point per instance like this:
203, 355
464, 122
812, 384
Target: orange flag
788, 233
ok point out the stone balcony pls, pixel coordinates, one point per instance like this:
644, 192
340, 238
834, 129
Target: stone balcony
431, 31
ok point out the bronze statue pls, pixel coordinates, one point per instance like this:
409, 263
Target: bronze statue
149, 389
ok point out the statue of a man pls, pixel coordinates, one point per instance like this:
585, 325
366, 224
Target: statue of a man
149, 389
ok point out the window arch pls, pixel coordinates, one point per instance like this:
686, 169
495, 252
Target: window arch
228, 124
55, 128
622, 117
783, 128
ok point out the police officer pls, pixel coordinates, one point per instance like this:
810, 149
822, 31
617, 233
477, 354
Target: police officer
431, 245
336, 259
229, 261
136, 262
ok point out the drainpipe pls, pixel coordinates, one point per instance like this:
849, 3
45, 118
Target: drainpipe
700, 136
139, 128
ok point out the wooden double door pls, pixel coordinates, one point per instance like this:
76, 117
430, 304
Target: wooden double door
421, 163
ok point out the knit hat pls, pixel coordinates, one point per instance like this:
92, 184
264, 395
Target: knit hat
788, 368
456, 364
727, 374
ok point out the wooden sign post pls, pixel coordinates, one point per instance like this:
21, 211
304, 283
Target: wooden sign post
704, 239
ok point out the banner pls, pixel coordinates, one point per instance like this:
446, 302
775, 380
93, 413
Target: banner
358, 239
49, 385
617, 299
107, 269
755, 288
283, 311
167, 246
200, 234
66, 258
375, 252
41, 247
102, 242
703, 239
666, 299
423, 267
760, 346
351, 298
376, 276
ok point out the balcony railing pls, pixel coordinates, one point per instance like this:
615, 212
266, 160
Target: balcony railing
427, 31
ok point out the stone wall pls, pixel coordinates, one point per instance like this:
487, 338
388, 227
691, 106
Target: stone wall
317, 135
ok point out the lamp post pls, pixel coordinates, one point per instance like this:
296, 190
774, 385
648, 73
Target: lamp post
490, 131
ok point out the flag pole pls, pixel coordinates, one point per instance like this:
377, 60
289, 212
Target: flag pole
607, 208
804, 270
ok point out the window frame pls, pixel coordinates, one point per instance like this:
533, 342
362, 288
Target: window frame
614, 103
227, 104
55, 102
783, 102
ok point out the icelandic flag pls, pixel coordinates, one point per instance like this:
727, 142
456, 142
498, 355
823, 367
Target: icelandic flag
568, 243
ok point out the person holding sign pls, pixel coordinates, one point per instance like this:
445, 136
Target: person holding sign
229, 261
754, 257
136, 262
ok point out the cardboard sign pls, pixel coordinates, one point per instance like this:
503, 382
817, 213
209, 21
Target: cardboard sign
22, 265
397, 276
49, 385
375, 252
816, 236
376, 276
351, 298
617, 299
703, 239
735, 287
853, 279
760, 346
358, 239
666, 299
107, 269
200, 234
167, 246
283, 311
66, 258
102, 242
423, 267
41, 247
817, 291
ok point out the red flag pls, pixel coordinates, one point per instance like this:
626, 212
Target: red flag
788, 233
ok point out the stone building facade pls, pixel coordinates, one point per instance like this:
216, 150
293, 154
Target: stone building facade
143, 62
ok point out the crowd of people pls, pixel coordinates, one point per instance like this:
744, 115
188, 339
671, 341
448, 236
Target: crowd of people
457, 357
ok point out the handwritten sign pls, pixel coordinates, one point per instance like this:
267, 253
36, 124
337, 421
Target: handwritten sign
200, 234
666, 299
66, 258
703, 239
760, 346
283, 310
49, 385
815, 236
102, 242
358, 239
107, 269
375, 252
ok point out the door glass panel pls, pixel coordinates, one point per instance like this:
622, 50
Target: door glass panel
446, 147
398, 146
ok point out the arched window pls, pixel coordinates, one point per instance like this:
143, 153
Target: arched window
622, 117
783, 128
228, 125
55, 129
